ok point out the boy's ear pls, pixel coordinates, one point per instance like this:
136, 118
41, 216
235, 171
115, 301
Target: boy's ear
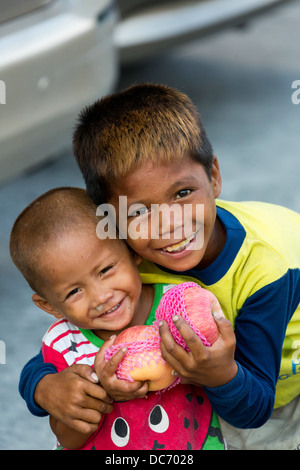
45, 305
216, 177
137, 259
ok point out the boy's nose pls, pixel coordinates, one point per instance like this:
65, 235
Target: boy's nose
101, 296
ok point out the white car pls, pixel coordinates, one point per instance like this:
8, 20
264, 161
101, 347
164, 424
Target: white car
56, 56
150, 26
59, 55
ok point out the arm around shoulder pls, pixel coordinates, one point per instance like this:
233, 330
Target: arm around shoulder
68, 437
32, 373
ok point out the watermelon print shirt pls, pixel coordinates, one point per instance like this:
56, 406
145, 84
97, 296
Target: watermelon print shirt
180, 418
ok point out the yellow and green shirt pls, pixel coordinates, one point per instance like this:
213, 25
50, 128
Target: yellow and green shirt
256, 278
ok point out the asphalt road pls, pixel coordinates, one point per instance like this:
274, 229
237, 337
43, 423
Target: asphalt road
241, 81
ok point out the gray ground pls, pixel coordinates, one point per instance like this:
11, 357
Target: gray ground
241, 82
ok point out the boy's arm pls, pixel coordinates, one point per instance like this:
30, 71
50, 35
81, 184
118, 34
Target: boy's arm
31, 375
247, 400
68, 437
240, 397
260, 333
81, 403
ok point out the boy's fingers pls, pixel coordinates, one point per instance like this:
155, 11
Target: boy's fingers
102, 405
92, 394
87, 420
114, 361
84, 371
134, 389
172, 353
88, 390
223, 323
83, 426
225, 328
112, 365
100, 354
192, 340
187, 332
167, 341
170, 359
143, 390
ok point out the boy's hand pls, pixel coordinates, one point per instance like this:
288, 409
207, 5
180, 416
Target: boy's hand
74, 397
119, 390
207, 366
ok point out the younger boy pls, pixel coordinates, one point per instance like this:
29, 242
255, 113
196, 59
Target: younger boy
93, 288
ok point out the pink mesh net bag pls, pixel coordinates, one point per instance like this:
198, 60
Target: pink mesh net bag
143, 360
196, 306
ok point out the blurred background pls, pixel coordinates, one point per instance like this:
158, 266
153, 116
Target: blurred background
237, 60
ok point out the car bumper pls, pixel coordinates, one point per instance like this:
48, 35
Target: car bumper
154, 29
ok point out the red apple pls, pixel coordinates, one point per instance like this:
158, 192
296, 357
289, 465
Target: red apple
200, 304
196, 306
143, 359
137, 333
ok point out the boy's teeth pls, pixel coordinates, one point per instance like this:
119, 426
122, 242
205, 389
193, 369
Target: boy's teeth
178, 246
114, 308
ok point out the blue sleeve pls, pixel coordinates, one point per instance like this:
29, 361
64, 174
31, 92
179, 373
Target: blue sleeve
248, 400
31, 374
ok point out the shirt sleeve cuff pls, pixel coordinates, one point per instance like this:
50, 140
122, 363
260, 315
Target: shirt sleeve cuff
231, 389
31, 404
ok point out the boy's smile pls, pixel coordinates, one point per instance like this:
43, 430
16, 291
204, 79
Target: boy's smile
185, 242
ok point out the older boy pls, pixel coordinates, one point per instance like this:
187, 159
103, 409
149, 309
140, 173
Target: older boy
148, 144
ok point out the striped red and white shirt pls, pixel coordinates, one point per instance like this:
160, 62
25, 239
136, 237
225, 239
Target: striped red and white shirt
64, 344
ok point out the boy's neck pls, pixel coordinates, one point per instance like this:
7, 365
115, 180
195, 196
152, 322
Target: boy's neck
144, 305
142, 311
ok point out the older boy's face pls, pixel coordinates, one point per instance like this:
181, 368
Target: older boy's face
171, 213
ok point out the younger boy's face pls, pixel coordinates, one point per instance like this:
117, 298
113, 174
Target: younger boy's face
172, 208
94, 283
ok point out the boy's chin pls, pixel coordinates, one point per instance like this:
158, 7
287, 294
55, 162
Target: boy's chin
190, 261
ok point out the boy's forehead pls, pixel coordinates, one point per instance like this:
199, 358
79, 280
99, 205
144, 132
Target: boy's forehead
88, 248
151, 178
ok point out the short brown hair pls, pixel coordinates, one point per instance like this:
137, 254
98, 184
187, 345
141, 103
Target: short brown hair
43, 221
143, 123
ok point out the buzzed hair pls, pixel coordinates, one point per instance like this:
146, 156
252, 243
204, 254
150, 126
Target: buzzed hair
143, 123
43, 221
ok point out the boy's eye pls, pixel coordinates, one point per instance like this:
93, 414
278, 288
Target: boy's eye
106, 269
72, 292
137, 210
183, 193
